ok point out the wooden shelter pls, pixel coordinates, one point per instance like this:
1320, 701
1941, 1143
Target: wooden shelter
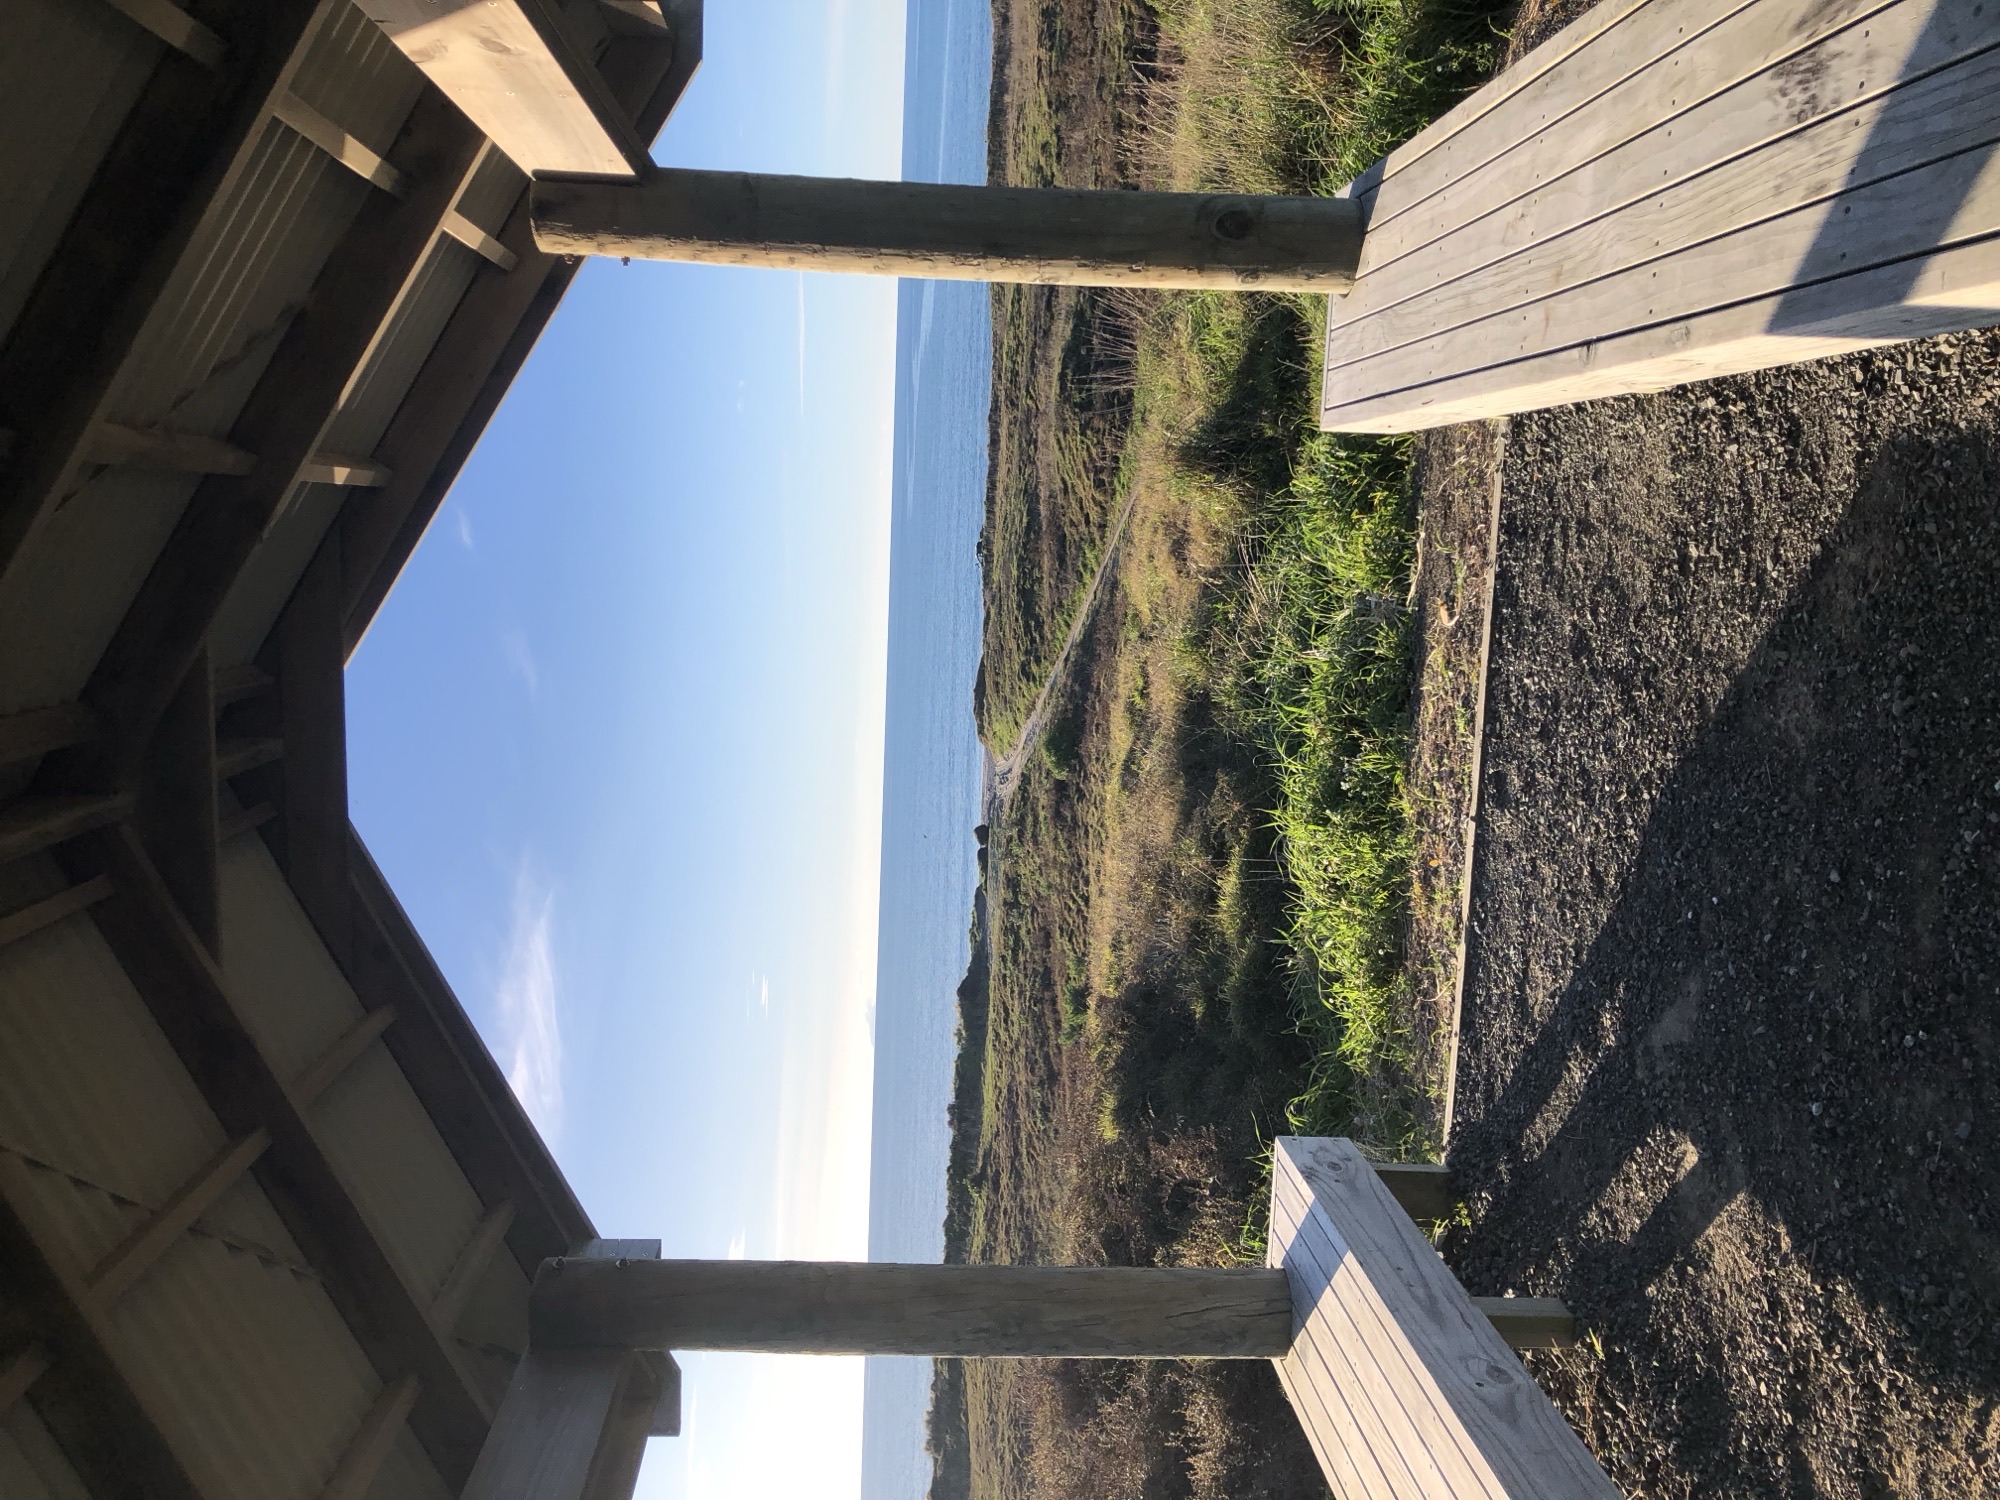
272, 1226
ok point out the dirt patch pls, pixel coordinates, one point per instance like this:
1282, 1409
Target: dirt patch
1729, 1078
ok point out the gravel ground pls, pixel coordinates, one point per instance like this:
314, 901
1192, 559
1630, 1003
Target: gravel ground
1729, 1078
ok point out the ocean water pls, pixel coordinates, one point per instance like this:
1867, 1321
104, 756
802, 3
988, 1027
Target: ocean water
932, 758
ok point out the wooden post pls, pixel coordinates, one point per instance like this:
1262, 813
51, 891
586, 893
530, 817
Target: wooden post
1049, 235
853, 1307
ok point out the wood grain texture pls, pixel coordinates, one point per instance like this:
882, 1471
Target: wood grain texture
510, 66
1047, 235
852, 1307
1775, 185
1402, 1384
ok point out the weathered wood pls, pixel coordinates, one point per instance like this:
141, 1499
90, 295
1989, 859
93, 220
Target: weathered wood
80, 1394
35, 823
341, 1054
332, 468
1423, 1189
487, 1237
184, 992
1061, 236
509, 65
477, 240
572, 1427
176, 28
351, 152
133, 1256
177, 812
372, 1440
856, 1307
51, 910
1404, 1387
1755, 186
37, 731
1530, 1322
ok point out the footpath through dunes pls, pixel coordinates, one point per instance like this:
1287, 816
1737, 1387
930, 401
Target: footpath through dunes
1729, 1066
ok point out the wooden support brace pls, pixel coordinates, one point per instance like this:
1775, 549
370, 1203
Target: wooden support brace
1062, 236
487, 1237
176, 452
321, 1073
235, 758
36, 823
372, 1441
236, 824
133, 1256
289, 109
52, 909
37, 731
19, 1373
1530, 1322
855, 1307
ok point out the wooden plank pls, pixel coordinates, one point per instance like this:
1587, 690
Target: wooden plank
35, 823
136, 1253
175, 166
487, 1237
342, 1054
177, 812
1541, 92
1724, 110
1555, 244
46, 913
184, 992
854, 1307
371, 271
176, 28
37, 731
21, 1371
235, 684
509, 65
81, 1395
331, 468
355, 1473
479, 241
1056, 236
1394, 1360
177, 452
352, 153
1422, 1189
1530, 1322
1941, 292
455, 1076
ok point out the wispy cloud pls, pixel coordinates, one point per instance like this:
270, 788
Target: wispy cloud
514, 646
464, 527
530, 1025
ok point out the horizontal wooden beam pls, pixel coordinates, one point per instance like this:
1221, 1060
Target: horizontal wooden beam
236, 824
234, 758
176, 452
53, 909
37, 731
131, 1258
1530, 1322
351, 152
1060, 236
856, 1307
1423, 1190
36, 823
511, 67
477, 240
372, 1440
176, 28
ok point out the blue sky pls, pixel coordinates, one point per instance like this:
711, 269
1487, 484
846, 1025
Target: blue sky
616, 737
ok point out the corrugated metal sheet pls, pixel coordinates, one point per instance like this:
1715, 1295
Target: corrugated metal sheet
87, 1082
298, 1002
289, 990
251, 1374
32, 1467
407, 1474
236, 289
359, 79
267, 582
58, 613
68, 77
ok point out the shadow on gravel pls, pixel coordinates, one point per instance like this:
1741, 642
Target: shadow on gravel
1748, 1124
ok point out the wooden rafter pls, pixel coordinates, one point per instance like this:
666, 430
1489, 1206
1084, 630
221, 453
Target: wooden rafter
185, 993
79, 1392
187, 143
